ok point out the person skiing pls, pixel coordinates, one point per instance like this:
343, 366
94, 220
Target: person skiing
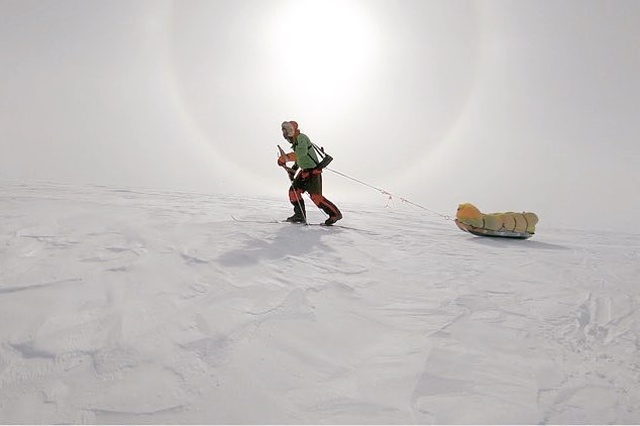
309, 179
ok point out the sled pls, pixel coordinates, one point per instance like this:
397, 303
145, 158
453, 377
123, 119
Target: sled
482, 232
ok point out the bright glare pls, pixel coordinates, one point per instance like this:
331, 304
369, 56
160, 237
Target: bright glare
323, 50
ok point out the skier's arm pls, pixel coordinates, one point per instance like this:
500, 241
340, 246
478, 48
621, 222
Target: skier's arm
285, 158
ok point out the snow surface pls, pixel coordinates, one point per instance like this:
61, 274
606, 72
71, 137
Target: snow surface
140, 306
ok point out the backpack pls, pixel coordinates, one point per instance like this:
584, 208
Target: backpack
326, 158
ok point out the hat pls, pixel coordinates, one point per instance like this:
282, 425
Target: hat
291, 127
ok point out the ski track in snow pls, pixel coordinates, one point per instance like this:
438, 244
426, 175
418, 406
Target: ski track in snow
140, 306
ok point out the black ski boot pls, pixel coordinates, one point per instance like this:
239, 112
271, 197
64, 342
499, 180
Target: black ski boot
295, 219
298, 213
333, 219
331, 210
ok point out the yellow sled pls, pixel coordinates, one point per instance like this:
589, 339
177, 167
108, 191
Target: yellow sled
508, 225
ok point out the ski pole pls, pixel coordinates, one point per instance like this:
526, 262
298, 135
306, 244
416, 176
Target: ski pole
289, 170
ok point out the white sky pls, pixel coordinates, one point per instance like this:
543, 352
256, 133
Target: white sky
508, 105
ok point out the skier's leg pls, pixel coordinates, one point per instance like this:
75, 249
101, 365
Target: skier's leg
315, 190
328, 207
295, 197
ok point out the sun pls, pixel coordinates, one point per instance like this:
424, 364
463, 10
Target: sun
323, 49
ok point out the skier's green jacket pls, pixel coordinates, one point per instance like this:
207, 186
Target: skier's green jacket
306, 157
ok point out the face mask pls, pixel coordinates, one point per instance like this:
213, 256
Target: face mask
287, 129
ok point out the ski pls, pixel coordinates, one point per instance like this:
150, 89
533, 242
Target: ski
321, 224
235, 219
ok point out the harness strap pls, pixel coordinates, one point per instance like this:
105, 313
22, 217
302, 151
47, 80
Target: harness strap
318, 150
